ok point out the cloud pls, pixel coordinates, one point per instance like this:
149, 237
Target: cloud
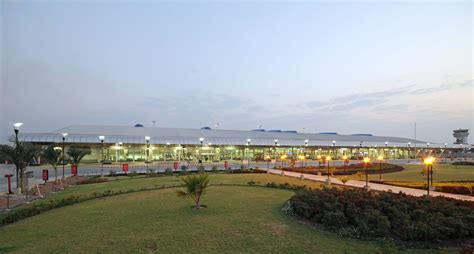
441, 88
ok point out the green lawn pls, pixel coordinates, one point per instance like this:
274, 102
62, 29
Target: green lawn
239, 219
441, 172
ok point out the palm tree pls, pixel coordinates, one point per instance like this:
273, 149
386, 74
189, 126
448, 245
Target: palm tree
195, 186
76, 153
21, 155
53, 156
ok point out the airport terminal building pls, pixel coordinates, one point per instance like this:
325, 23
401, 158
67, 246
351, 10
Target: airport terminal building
138, 143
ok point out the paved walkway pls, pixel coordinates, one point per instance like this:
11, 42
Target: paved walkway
373, 186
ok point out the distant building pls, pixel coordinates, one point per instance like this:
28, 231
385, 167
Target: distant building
461, 136
128, 143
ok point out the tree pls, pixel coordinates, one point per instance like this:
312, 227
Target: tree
194, 185
21, 155
53, 157
77, 153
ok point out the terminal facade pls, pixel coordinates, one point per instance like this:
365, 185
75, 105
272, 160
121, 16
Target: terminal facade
138, 144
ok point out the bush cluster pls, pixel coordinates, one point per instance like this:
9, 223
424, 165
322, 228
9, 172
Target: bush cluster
464, 190
246, 171
93, 180
386, 215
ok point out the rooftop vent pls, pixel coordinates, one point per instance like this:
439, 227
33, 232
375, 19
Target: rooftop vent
139, 125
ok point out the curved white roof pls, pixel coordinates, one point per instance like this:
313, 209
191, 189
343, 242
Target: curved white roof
185, 136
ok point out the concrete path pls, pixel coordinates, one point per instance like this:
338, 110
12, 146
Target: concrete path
373, 186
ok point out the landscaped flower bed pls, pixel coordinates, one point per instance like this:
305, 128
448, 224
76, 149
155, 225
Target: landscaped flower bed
454, 187
359, 213
349, 169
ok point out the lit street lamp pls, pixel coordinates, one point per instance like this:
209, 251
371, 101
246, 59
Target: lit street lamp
201, 140
274, 148
302, 158
445, 152
102, 138
344, 158
328, 159
147, 139
334, 148
16, 128
248, 152
429, 167
366, 164
64, 152
380, 159
409, 151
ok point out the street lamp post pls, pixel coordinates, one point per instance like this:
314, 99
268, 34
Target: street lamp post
380, 159
201, 140
366, 164
274, 148
409, 151
16, 128
168, 152
102, 138
319, 157
344, 158
305, 146
385, 150
429, 167
248, 150
147, 139
328, 159
334, 149
64, 152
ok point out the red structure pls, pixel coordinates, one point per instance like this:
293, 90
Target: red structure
9, 177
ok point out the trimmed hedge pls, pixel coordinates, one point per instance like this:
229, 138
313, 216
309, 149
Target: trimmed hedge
349, 169
359, 213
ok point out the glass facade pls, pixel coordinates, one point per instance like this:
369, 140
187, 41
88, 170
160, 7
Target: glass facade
213, 153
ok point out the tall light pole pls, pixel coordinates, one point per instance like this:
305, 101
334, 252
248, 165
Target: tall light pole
366, 164
319, 157
147, 139
427, 148
274, 149
102, 138
409, 151
380, 159
64, 152
201, 139
328, 159
167, 152
305, 145
334, 149
385, 150
344, 159
429, 167
302, 158
248, 149
445, 151
16, 128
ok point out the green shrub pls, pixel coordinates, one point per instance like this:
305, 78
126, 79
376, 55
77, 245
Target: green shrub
133, 174
387, 215
92, 180
168, 171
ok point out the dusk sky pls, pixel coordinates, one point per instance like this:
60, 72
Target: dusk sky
348, 67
